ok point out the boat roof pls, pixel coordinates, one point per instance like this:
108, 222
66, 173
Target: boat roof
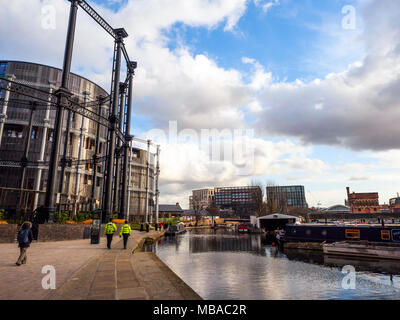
277, 216
348, 225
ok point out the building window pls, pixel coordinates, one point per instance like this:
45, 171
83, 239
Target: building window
35, 132
88, 179
14, 131
50, 135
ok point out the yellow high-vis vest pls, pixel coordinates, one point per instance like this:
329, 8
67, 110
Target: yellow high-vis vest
110, 228
126, 229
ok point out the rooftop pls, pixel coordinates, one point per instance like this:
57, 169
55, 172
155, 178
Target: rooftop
170, 208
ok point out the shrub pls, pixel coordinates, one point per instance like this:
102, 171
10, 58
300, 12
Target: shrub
70, 222
62, 217
3, 222
81, 216
89, 221
2, 213
135, 226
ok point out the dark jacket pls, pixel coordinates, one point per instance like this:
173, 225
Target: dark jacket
24, 227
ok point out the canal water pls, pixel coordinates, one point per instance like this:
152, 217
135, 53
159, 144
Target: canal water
225, 265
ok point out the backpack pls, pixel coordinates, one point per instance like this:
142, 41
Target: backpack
23, 236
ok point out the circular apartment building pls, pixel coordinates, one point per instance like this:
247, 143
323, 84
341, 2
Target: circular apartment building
29, 131
82, 184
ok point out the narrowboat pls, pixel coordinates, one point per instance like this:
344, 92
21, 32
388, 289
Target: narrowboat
243, 228
177, 229
338, 233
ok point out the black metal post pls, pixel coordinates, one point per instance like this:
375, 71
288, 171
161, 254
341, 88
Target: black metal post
64, 158
126, 145
118, 153
96, 154
24, 160
107, 206
63, 94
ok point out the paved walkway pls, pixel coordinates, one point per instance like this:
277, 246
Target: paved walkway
85, 271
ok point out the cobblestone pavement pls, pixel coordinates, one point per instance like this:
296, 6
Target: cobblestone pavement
85, 271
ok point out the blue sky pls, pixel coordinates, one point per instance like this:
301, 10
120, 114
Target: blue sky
323, 100
282, 39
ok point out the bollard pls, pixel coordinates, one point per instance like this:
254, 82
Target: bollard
147, 227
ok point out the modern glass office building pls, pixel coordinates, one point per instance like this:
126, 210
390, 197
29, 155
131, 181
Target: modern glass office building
292, 196
242, 200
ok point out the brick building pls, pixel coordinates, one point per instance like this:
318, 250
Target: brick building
363, 202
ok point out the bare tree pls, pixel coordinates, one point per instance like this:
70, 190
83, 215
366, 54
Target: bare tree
271, 204
257, 194
283, 208
213, 210
197, 207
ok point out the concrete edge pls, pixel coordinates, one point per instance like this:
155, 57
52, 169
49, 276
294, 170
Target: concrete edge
187, 292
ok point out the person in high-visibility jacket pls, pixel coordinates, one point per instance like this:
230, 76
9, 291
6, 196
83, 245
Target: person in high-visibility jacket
125, 232
110, 230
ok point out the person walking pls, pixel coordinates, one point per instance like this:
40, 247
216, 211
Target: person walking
110, 230
24, 241
125, 232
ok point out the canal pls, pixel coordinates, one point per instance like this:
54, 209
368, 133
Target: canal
225, 265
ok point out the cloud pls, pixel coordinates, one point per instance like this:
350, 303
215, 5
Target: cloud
266, 6
187, 165
358, 108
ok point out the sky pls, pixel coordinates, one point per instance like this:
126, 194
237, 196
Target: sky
300, 92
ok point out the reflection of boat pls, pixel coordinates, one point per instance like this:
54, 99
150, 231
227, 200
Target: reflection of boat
363, 264
366, 249
308, 256
243, 228
177, 229
360, 264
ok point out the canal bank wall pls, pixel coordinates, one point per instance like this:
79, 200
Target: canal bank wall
119, 274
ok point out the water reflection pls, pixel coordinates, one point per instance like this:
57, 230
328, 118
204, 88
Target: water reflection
220, 241
224, 265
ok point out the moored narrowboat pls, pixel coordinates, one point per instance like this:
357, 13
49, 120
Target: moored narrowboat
175, 230
338, 233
